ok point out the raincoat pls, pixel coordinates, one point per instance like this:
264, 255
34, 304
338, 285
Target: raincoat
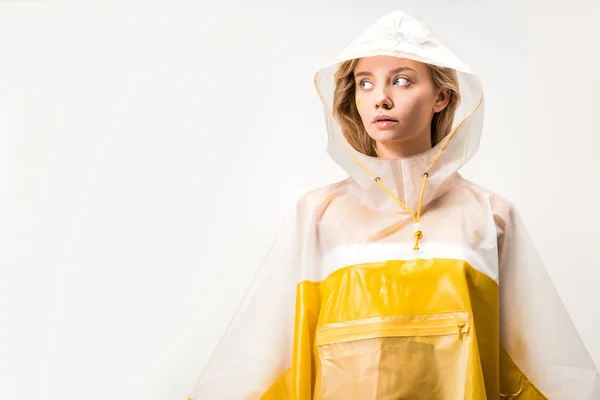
403, 281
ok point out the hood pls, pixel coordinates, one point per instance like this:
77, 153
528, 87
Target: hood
398, 34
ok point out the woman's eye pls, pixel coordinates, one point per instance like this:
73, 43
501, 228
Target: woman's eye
362, 84
403, 78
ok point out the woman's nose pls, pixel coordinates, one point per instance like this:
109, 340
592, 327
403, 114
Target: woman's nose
382, 100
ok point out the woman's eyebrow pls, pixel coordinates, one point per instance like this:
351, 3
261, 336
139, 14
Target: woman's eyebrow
394, 71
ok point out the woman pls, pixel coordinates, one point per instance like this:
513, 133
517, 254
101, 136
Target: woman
403, 281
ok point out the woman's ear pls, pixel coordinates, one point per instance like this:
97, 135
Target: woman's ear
442, 100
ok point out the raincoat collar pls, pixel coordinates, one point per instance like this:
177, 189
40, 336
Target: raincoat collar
398, 34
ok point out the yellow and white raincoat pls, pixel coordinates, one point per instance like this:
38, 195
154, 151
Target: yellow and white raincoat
403, 281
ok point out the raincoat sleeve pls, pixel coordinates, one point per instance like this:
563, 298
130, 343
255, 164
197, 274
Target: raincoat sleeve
255, 350
541, 352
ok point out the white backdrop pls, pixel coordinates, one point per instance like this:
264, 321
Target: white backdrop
150, 151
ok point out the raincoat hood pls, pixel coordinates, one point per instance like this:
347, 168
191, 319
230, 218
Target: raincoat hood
400, 35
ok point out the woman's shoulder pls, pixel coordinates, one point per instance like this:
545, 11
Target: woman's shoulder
317, 197
499, 204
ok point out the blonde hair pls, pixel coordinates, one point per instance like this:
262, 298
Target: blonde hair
346, 113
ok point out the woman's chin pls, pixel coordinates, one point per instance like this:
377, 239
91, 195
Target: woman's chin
389, 135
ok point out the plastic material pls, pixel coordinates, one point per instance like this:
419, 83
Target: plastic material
347, 306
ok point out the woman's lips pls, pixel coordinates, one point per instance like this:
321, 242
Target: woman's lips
385, 123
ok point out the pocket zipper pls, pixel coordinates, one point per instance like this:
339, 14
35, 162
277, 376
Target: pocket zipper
336, 333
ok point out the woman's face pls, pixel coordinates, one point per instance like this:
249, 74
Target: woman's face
401, 88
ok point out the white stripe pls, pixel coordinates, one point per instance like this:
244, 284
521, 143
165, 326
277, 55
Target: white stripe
373, 252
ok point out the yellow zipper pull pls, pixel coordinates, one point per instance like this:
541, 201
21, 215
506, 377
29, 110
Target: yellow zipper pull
460, 332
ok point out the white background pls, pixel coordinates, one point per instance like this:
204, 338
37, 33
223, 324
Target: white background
149, 151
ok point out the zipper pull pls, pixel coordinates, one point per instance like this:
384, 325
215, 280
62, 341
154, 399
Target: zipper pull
460, 332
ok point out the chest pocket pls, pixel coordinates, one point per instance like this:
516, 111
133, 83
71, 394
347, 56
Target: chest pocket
392, 358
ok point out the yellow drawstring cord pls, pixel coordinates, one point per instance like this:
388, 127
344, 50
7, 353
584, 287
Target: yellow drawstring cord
418, 233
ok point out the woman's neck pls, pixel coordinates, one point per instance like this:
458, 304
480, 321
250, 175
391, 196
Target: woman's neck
406, 148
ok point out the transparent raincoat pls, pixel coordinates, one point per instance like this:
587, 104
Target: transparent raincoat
403, 281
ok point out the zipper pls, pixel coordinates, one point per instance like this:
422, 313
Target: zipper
461, 332
336, 333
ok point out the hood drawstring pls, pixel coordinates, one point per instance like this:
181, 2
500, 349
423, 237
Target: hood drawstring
418, 232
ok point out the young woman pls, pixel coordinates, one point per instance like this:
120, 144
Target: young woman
403, 281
